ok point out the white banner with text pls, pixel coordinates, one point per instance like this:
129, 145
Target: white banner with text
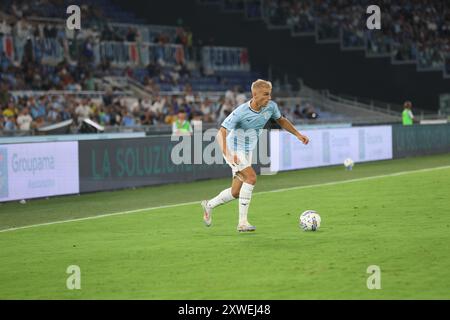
329, 147
33, 170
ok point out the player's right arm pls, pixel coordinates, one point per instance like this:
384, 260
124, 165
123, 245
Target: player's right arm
229, 123
222, 139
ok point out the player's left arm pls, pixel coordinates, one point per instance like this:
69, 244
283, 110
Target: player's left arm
289, 127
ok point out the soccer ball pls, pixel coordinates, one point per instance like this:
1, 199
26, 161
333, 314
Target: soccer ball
310, 220
348, 163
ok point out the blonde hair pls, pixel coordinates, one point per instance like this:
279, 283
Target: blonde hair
261, 84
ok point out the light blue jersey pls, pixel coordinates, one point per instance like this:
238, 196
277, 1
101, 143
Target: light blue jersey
245, 125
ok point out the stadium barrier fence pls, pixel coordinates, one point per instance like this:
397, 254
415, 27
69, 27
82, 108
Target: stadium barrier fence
43, 169
420, 140
127, 163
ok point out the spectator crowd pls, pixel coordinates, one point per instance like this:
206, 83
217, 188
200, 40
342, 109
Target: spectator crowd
76, 71
29, 108
411, 29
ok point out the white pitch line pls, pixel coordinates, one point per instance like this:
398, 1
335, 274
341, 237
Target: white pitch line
256, 193
357, 179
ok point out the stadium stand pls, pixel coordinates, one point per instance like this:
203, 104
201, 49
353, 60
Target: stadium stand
126, 75
413, 31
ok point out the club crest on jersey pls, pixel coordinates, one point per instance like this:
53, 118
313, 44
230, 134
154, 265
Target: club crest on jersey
266, 115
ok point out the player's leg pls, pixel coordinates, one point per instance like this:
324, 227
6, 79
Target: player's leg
236, 185
223, 197
245, 195
226, 195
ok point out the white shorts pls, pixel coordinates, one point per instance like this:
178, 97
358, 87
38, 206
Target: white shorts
245, 161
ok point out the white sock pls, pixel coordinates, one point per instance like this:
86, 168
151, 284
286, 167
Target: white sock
223, 197
245, 195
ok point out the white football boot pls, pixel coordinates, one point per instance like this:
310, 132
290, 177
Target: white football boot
207, 213
246, 227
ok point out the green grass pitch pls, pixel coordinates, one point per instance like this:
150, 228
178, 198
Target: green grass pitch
400, 223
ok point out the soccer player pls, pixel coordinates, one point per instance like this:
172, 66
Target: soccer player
237, 137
